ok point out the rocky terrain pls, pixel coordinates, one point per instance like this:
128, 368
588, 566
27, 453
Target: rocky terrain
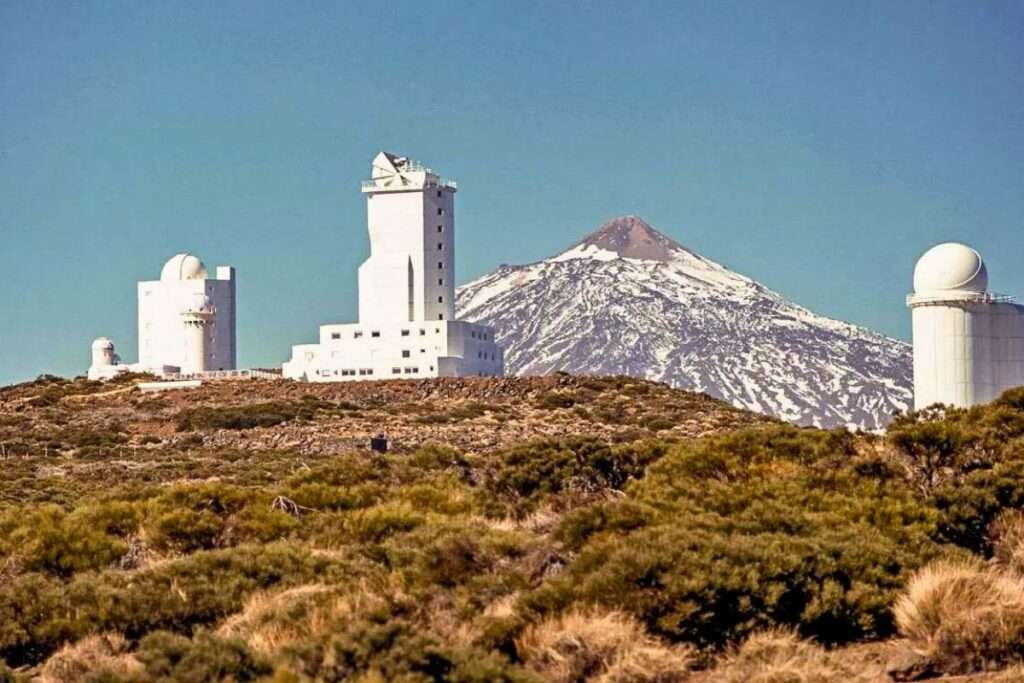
628, 300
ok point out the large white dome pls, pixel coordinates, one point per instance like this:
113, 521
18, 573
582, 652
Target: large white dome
950, 267
183, 267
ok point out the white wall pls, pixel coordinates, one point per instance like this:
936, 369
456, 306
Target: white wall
966, 352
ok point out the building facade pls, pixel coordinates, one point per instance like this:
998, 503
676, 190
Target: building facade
186, 323
406, 322
968, 343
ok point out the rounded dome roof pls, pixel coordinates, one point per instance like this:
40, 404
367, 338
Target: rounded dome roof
950, 267
183, 267
102, 343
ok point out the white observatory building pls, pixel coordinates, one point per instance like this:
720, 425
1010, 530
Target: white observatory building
406, 322
186, 324
968, 343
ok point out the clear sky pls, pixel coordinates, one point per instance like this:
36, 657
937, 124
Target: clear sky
818, 147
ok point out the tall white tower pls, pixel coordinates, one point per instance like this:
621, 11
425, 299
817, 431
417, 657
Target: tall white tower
198, 317
410, 215
406, 325
968, 343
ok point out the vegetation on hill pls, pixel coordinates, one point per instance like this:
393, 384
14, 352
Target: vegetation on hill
173, 537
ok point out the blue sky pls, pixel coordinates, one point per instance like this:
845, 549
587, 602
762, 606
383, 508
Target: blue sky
818, 147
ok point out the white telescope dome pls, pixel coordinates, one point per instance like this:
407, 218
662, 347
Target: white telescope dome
102, 343
183, 267
950, 267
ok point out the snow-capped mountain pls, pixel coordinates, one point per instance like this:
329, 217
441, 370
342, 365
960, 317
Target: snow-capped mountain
629, 300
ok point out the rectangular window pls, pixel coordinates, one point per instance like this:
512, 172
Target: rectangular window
440, 282
440, 265
405, 354
440, 316
335, 335
375, 334
440, 212
439, 193
472, 334
423, 332
357, 335
396, 371
440, 228
440, 299
440, 246
405, 333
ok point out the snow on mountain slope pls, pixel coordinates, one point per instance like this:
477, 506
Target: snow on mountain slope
629, 300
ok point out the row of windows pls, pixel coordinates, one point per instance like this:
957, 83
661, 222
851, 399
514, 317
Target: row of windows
362, 372
475, 335
408, 371
484, 356
376, 333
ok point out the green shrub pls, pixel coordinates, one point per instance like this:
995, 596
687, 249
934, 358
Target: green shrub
753, 529
249, 416
526, 473
205, 657
38, 614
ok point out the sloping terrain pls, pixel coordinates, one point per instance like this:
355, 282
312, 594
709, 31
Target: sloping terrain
566, 529
628, 300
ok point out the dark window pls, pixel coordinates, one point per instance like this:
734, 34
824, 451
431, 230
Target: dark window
440, 282
440, 265
396, 371
440, 246
375, 334
405, 333
440, 228
440, 299
440, 212
335, 335
405, 354
357, 335
439, 193
422, 332
440, 316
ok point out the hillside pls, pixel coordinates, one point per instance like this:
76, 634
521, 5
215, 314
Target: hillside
560, 528
628, 300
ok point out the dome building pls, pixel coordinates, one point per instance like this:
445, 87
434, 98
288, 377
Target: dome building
968, 343
186, 323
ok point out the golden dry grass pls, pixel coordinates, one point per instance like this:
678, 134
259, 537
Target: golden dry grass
273, 620
1007, 532
964, 616
601, 647
778, 656
84, 660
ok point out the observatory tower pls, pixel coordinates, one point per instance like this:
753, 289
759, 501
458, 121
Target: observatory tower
406, 322
968, 343
186, 323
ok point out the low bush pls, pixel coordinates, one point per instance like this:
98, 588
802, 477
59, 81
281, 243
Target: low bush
103, 656
525, 474
248, 416
204, 657
736, 533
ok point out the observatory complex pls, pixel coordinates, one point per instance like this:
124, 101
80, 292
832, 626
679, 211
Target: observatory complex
406, 322
186, 324
968, 343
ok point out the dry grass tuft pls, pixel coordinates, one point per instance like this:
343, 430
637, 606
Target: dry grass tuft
601, 647
1007, 534
782, 657
89, 657
273, 620
964, 616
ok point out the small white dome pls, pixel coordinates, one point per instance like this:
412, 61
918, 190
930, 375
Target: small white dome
950, 267
102, 343
183, 267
